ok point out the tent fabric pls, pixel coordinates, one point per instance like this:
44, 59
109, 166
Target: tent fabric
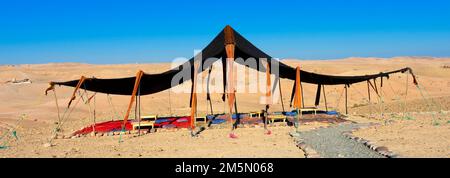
153, 83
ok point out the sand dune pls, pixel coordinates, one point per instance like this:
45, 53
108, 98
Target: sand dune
40, 110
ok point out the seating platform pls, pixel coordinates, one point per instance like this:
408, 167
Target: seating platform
255, 114
309, 109
273, 118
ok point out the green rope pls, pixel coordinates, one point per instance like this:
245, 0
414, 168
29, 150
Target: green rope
64, 118
120, 135
13, 133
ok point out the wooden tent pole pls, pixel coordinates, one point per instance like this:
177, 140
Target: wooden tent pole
138, 107
229, 48
368, 90
346, 98
194, 97
95, 115
375, 83
135, 111
368, 93
81, 81
325, 98
316, 103
374, 87
303, 101
381, 99
268, 94
208, 94
238, 120
298, 98
281, 94
210, 105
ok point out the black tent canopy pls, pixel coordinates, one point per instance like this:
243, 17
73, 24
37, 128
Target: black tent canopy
215, 50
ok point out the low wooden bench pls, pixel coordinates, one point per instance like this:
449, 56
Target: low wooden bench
136, 125
146, 121
273, 118
254, 114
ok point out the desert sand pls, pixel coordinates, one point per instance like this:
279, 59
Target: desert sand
423, 133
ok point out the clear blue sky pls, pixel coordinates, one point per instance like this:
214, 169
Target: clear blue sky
44, 31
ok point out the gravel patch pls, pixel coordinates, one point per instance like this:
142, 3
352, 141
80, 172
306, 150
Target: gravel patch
331, 143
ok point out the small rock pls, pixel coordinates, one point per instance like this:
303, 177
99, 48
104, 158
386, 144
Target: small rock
347, 134
363, 141
381, 149
313, 155
384, 153
392, 155
298, 140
